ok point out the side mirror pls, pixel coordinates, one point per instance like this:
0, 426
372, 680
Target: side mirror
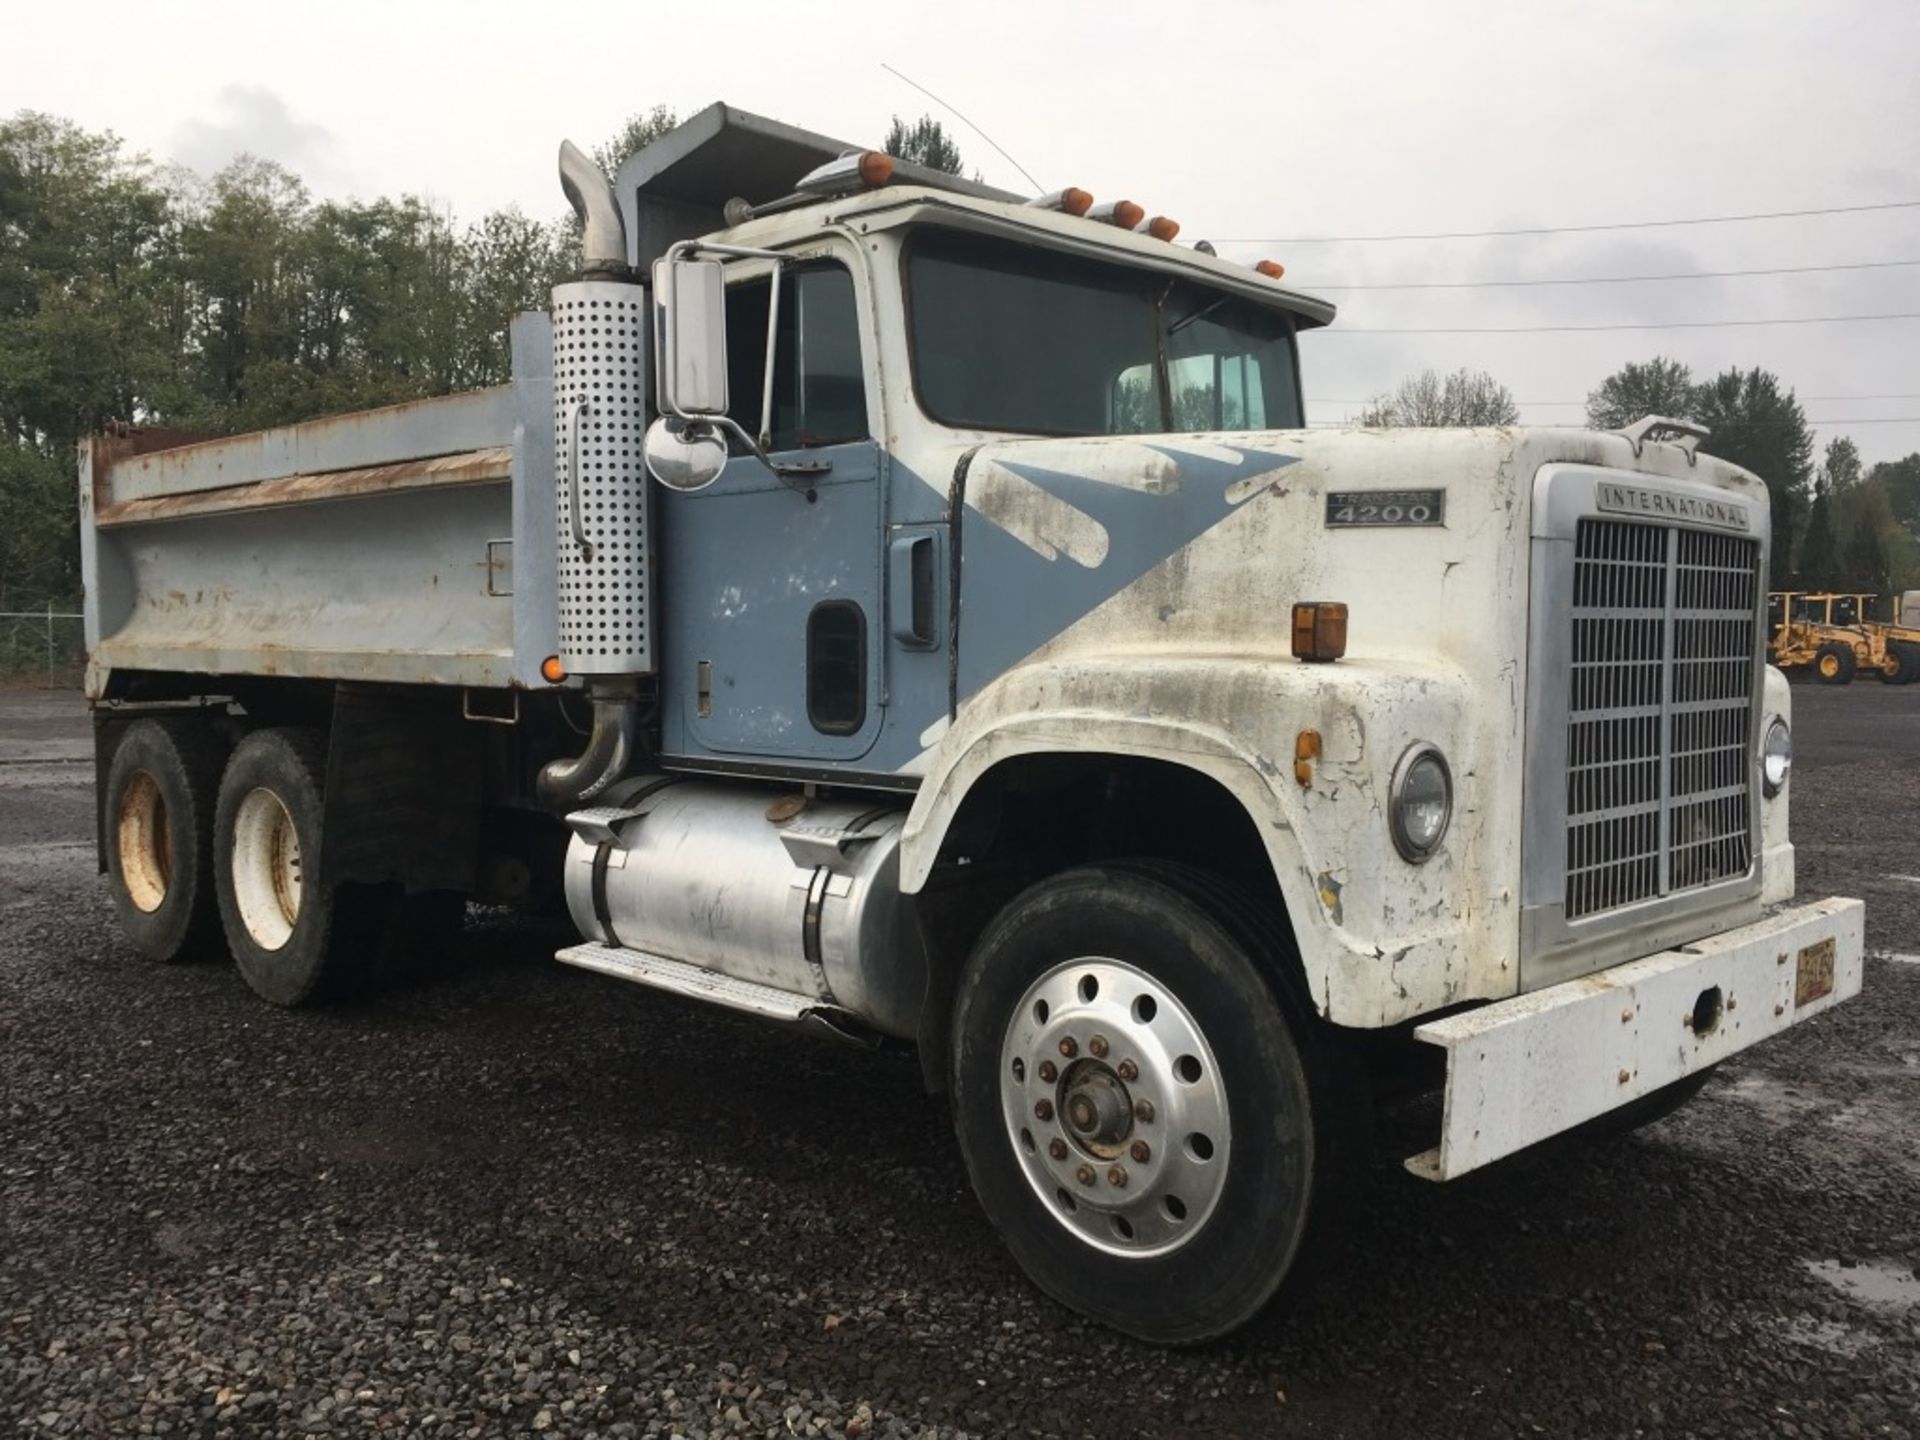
691, 296
684, 454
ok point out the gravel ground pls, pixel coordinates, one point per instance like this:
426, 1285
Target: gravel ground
523, 1199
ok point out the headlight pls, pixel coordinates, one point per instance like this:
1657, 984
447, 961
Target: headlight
1776, 758
1421, 802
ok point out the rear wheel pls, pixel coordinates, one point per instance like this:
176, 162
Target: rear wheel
295, 938
1903, 663
159, 836
1833, 664
1153, 1134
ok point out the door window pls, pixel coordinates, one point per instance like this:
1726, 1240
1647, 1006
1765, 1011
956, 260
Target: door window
819, 387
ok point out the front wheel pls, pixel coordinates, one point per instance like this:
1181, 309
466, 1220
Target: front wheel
1157, 1140
1834, 664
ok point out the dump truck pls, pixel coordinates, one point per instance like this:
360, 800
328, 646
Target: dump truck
918, 613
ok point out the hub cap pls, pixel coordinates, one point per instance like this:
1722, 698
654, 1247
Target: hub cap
146, 852
266, 868
1114, 1107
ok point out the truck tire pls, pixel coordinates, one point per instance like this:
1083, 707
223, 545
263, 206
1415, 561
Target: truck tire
159, 807
1903, 663
1833, 664
1147, 1119
295, 939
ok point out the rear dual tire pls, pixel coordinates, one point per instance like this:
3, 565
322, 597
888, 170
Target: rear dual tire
296, 938
159, 804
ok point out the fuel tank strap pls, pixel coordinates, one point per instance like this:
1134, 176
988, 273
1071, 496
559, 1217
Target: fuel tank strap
602, 911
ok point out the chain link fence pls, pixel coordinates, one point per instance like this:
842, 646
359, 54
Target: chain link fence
42, 647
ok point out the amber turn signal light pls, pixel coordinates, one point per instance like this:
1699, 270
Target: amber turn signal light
1272, 269
1319, 630
552, 671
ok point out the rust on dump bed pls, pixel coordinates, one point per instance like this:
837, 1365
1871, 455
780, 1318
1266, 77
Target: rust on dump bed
473, 467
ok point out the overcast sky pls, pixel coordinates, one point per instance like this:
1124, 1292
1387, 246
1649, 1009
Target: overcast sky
1249, 120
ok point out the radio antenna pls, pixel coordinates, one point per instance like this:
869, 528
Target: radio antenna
1037, 186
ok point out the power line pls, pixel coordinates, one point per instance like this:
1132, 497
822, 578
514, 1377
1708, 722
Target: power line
1609, 279
1637, 325
1910, 395
1838, 423
1567, 229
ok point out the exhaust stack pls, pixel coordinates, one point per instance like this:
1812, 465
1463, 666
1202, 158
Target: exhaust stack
602, 509
603, 234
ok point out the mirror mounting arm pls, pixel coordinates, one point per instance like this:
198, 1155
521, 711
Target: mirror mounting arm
760, 444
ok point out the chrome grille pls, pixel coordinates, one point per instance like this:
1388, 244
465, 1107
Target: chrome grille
1660, 712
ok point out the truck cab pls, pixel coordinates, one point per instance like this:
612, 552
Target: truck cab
918, 613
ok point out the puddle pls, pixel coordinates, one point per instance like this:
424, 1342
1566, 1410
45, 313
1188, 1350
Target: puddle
1884, 1284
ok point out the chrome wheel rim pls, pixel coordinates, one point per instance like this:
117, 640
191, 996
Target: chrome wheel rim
267, 879
145, 849
1114, 1107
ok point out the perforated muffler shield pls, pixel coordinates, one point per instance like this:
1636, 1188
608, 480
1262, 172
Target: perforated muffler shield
601, 494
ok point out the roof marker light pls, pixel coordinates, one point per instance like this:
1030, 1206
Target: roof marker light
854, 170
1073, 200
1272, 269
1123, 213
1160, 228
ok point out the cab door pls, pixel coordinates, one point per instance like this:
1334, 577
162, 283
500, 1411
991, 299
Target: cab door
772, 631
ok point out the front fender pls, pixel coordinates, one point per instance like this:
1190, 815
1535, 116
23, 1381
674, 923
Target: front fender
1380, 940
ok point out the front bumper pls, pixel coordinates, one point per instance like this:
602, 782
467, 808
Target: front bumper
1523, 1069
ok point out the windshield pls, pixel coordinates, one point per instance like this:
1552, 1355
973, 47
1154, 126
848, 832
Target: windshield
1011, 337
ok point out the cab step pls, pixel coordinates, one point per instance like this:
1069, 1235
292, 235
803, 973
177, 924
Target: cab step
697, 982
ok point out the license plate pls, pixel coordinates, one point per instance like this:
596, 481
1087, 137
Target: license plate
1813, 976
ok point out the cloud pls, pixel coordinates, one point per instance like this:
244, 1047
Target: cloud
252, 120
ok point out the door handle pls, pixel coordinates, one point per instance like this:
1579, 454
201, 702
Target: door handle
913, 593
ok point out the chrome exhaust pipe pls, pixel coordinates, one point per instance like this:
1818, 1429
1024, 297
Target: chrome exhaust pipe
611, 751
603, 233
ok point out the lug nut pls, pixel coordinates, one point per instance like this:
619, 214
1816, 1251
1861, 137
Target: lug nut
1117, 1177
1043, 1110
1140, 1152
1143, 1111
1127, 1070
1098, 1047
1068, 1047
1084, 1175
1047, 1072
1057, 1149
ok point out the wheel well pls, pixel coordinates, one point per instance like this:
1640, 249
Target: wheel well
1035, 815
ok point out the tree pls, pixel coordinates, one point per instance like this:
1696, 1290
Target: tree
1658, 387
1819, 551
643, 127
1841, 470
1466, 397
1758, 425
1901, 480
924, 142
1866, 530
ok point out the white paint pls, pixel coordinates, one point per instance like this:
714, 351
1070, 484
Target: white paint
1035, 516
1541, 1063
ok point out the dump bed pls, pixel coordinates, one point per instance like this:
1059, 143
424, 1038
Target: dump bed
413, 544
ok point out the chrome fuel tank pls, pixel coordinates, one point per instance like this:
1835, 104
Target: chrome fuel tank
763, 885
